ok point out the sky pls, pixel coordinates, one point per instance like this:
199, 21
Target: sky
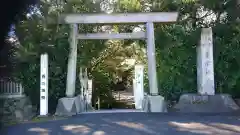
32, 11
11, 32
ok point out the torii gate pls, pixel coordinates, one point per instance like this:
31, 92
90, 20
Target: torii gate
145, 18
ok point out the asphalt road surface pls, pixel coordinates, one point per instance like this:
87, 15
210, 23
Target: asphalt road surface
133, 123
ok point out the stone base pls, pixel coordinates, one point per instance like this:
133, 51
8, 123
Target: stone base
237, 101
68, 106
16, 109
89, 107
206, 103
154, 104
72, 106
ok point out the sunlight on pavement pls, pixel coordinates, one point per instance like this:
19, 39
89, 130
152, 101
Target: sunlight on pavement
207, 129
40, 131
98, 133
227, 127
137, 126
77, 129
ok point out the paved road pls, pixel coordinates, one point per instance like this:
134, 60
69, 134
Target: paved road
133, 123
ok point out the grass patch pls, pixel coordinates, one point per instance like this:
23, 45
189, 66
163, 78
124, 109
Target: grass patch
48, 118
10, 123
34, 120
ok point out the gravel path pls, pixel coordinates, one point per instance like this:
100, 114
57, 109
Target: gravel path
133, 123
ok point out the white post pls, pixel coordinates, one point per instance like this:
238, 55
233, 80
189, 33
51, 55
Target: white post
85, 85
21, 89
138, 86
89, 92
152, 74
85, 79
81, 83
44, 85
205, 65
72, 62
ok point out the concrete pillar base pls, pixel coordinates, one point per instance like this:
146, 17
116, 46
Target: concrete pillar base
218, 103
70, 106
154, 104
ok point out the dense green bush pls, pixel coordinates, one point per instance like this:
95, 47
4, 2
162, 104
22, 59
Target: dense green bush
175, 51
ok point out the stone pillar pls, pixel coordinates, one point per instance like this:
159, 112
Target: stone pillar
138, 87
153, 102
83, 77
44, 85
72, 62
89, 95
205, 64
71, 104
152, 74
83, 81
89, 92
206, 101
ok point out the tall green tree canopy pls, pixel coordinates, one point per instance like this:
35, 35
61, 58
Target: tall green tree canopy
106, 59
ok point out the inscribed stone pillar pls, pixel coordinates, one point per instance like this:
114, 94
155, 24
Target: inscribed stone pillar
83, 81
205, 64
138, 86
89, 92
72, 62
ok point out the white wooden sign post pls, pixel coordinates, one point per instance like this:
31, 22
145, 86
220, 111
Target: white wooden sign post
44, 85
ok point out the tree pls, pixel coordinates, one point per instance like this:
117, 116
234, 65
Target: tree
175, 47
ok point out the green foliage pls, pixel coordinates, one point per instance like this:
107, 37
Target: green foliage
176, 56
175, 49
227, 59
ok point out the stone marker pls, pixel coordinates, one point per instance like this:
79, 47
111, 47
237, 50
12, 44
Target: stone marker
206, 100
86, 89
138, 88
205, 71
89, 95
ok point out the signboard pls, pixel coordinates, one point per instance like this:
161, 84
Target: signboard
44, 85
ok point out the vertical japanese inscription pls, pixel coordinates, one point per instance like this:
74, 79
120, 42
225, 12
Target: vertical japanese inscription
205, 63
44, 85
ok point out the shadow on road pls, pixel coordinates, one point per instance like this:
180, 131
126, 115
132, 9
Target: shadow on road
132, 124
